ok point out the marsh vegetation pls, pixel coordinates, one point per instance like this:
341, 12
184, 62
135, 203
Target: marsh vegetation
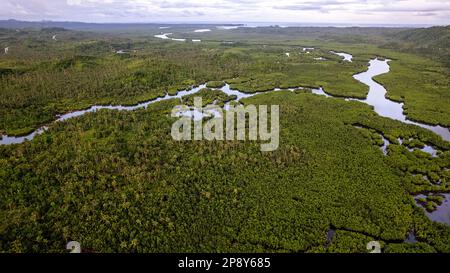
117, 181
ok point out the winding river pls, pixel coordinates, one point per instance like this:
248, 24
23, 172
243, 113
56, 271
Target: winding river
442, 213
347, 57
385, 107
15, 140
376, 97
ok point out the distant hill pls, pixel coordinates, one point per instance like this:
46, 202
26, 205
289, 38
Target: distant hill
67, 25
433, 36
433, 42
89, 26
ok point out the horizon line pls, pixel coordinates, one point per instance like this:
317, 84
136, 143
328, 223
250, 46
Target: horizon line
272, 23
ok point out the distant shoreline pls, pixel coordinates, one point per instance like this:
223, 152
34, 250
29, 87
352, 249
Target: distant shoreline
12, 23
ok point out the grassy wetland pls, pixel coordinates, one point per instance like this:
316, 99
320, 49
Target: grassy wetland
116, 181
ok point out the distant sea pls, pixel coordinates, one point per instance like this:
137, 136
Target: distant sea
290, 24
81, 25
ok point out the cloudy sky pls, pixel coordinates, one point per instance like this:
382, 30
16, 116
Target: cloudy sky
308, 11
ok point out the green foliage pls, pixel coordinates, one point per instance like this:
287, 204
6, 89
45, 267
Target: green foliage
431, 42
118, 182
209, 96
418, 247
423, 85
215, 84
349, 242
57, 80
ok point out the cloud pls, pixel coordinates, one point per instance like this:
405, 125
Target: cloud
441, 8
299, 7
326, 11
426, 14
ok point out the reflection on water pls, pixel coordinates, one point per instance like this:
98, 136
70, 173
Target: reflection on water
320, 92
426, 148
202, 30
15, 140
411, 238
377, 93
385, 145
430, 150
383, 106
194, 113
165, 37
227, 27
347, 57
233, 92
442, 213
198, 114
330, 236
376, 98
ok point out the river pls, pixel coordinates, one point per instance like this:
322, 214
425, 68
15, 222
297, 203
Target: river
383, 106
376, 97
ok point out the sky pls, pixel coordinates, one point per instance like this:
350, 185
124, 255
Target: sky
433, 12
